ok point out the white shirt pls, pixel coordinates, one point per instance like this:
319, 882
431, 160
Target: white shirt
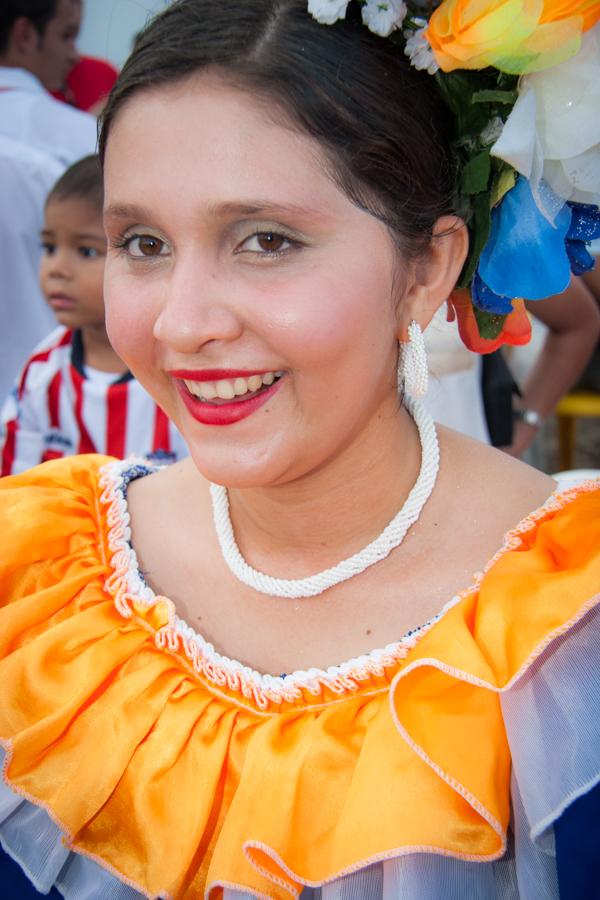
29, 114
60, 406
454, 397
39, 137
26, 176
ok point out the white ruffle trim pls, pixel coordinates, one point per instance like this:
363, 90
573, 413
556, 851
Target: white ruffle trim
30, 837
552, 716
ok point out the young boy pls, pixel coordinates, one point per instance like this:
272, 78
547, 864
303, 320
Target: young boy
75, 395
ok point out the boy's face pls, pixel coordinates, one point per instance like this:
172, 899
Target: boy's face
72, 266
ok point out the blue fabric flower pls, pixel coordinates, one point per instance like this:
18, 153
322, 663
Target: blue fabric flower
580, 258
525, 255
484, 297
585, 227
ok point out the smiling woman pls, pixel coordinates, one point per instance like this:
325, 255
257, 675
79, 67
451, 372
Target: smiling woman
257, 265
283, 221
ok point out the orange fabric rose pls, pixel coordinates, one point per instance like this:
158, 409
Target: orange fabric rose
516, 330
554, 10
515, 36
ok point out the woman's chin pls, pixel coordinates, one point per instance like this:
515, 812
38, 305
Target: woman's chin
237, 469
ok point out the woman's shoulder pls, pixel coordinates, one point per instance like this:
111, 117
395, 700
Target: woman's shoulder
493, 476
483, 494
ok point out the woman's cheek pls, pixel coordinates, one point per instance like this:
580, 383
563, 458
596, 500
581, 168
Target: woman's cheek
129, 322
317, 319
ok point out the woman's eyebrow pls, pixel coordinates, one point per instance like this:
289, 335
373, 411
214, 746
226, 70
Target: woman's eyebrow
227, 209
260, 207
126, 211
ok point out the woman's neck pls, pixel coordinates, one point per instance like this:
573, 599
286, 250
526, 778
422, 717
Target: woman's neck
98, 352
333, 512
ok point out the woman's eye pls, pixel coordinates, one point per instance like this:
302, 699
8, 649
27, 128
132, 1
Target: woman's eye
266, 242
142, 246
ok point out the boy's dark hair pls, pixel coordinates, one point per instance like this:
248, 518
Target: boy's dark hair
82, 180
39, 13
383, 126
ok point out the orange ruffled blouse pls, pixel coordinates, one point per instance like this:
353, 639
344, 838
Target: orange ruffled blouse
185, 773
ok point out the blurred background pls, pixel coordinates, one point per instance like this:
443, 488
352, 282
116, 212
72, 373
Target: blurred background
108, 27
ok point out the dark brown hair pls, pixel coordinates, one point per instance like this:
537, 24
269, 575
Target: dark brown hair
82, 180
382, 125
39, 13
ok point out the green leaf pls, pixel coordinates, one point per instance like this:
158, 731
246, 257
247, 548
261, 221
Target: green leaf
495, 97
479, 230
489, 324
460, 89
504, 181
476, 173
457, 90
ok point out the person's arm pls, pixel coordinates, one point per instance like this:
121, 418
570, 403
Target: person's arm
592, 281
21, 435
573, 321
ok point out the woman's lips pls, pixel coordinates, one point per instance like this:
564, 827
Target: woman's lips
224, 412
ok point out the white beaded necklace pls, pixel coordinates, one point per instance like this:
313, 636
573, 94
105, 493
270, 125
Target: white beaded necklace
390, 538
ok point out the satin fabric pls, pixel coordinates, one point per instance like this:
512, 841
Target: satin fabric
183, 786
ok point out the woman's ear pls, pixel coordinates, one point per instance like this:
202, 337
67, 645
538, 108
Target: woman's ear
434, 274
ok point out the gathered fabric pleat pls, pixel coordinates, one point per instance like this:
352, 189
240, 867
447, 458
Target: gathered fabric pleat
129, 765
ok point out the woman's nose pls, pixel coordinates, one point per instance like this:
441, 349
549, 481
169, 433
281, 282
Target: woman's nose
197, 307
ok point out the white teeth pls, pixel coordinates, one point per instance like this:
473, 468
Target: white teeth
254, 382
228, 388
207, 390
225, 390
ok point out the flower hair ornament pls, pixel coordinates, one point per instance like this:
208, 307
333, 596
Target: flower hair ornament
522, 80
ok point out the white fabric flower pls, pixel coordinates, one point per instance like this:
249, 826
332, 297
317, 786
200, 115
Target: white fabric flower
382, 16
552, 135
326, 12
418, 50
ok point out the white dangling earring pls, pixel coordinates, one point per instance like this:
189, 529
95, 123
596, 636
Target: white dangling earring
413, 375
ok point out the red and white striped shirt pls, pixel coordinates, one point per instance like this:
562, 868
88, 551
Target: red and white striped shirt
60, 407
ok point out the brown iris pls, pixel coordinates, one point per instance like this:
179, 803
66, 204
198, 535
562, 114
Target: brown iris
270, 241
149, 246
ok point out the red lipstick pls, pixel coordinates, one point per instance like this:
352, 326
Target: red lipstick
223, 413
214, 374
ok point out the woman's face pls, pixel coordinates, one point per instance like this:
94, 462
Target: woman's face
248, 295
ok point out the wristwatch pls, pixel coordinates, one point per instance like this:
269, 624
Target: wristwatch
529, 416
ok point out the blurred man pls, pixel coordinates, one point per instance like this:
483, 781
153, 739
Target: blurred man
37, 50
39, 137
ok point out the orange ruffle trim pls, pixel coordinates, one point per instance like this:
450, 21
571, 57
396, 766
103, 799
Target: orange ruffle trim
182, 783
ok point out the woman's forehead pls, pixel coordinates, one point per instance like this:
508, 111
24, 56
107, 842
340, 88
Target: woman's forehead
208, 139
